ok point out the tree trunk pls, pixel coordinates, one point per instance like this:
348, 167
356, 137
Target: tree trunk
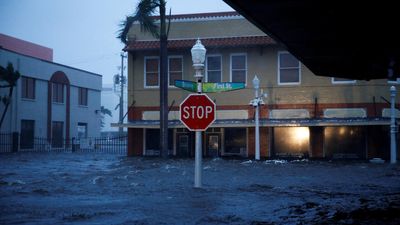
163, 83
7, 104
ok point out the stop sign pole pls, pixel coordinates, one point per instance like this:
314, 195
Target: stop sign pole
198, 57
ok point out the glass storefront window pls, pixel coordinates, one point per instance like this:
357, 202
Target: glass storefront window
235, 141
291, 141
344, 142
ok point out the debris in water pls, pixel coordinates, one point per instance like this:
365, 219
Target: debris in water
246, 162
97, 179
276, 161
377, 160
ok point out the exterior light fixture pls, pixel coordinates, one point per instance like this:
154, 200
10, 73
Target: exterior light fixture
198, 57
256, 82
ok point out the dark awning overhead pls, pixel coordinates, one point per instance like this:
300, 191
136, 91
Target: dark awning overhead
349, 39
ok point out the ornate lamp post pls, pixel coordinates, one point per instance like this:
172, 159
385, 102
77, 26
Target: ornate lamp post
393, 128
256, 102
198, 57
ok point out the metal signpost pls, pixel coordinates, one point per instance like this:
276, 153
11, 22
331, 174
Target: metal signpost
198, 111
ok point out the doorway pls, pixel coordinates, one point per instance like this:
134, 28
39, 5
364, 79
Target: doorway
213, 145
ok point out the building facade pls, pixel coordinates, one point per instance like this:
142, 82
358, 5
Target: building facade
50, 100
304, 115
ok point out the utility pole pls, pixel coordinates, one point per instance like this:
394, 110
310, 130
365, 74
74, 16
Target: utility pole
122, 82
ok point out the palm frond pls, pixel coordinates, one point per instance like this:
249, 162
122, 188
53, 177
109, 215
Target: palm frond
145, 11
125, 25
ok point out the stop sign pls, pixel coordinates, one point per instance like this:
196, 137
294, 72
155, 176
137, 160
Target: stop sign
197, 112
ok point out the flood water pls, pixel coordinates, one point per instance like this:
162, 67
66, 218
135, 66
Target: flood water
83, 188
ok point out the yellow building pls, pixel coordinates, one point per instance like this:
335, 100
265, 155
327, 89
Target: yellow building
304, 115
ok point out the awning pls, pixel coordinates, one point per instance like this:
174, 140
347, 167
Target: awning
348, 39
266, 123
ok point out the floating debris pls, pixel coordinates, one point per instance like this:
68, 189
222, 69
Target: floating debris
246, 162
97, 179
377, 160
276, 161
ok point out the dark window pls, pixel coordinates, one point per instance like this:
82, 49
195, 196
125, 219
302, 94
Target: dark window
151, 72
28, 87
174, 69
289, 69
291, 141
58, 93
83, 96
82, 130
235, 140
345, 142
214, 69
153, 139
238, 68
57, 130
27, 134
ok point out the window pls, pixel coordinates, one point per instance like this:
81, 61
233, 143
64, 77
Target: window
235, 141
58, 93
28, 88
345, 142
214, 69
82, 130
83, 96
337, 80
288, 69
27, 134
175, 69
151, 73
291, 141
57, 134
152, 141
238, 68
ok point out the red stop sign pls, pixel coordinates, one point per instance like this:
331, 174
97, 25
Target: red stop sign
197, 112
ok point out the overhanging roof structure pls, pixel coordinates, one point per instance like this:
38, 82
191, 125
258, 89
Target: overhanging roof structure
348, 39
266, 122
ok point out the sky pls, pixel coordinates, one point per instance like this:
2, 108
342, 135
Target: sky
82, 33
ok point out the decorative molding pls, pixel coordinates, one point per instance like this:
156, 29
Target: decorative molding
386, 112
345, 113
289, 113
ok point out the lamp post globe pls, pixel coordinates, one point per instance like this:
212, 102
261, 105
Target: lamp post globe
198, 57
256, 82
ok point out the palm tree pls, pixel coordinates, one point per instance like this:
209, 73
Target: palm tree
104, 111
145, 11
10, 77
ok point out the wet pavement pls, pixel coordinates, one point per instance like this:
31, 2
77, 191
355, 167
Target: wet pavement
79, 188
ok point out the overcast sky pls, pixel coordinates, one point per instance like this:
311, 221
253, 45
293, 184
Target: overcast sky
82, 33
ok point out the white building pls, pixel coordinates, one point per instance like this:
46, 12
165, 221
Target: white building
50, 100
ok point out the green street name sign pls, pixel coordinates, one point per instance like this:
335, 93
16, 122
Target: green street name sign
186, 85
209, 87
222, 87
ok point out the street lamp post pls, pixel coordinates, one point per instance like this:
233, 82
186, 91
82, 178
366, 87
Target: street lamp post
198, 57
393, 130
256, 102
